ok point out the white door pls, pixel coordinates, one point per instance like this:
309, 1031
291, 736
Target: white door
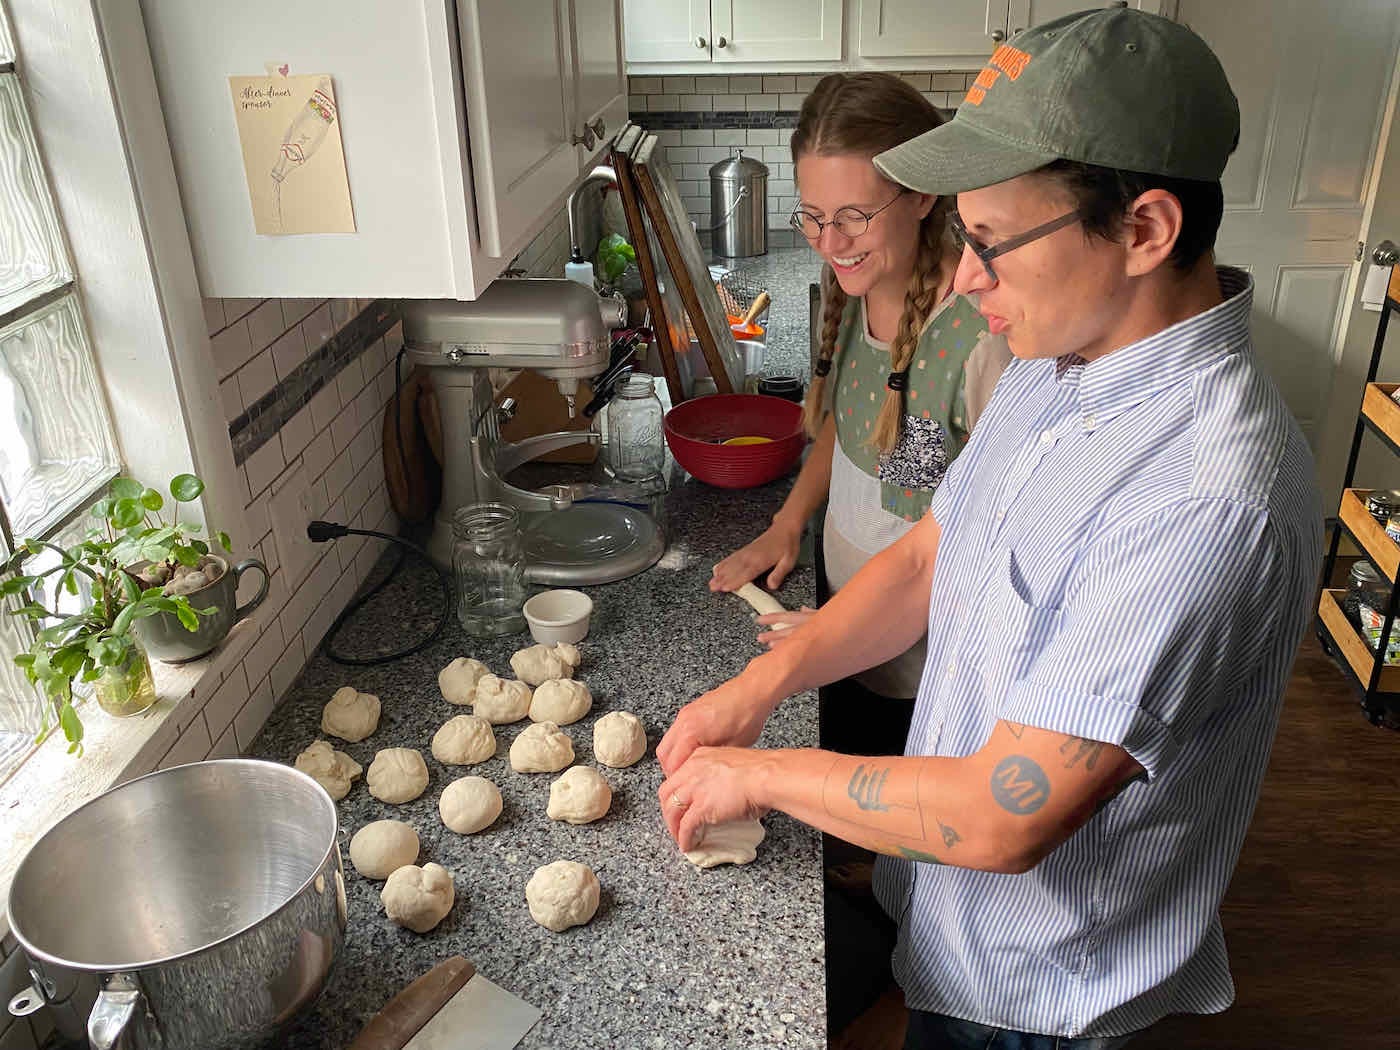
776, 30
600, 78
1312, 78
667, 30
923, 28
516, 74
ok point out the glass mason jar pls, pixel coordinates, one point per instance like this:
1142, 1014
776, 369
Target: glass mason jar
126, 688
488, 565
635, 450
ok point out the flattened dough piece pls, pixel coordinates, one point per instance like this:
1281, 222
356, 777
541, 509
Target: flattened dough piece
762, 602
733, 843
330, 768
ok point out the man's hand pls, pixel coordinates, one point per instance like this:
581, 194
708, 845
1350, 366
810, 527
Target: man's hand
715, 785
729, 716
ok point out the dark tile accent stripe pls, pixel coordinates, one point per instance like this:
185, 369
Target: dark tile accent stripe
263, 419
718, 120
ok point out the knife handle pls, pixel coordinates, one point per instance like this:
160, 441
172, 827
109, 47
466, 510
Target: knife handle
404, 1014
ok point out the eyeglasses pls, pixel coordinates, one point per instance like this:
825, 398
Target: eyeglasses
986, 253
848, 222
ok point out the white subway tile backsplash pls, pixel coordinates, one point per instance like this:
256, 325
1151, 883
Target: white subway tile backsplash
289, 351
917, 81
294, 310
745, 84
678, 85
213, 315
318, 454
254, 715
227, 701
365, 446
806, 82
369, 409
950, 81
758, 102
731, 136
267, 551
234, 309
669, 138
697, 137
231, 399
338, 476
318, 327
226, 746
775, 154
636, 103
265, 323
791, 101
325, 406
678, 155
296, 434
727, 103
264, 653
264, 465
344, 427
697, 103
350, 382
708, 155
193, 745
284, 672
232, 348
663, 103
775, 84
645, 85
257, 377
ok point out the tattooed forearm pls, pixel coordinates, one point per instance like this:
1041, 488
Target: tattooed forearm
865, 787
1078, 749
1019, 784
919, 855
950, 837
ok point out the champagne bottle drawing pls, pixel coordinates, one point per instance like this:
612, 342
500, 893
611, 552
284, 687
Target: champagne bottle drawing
304, 135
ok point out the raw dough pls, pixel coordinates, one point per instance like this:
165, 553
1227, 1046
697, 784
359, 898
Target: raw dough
470, 804
418, 898
330, 768
350, 715
501, 700
459, 678
619, 739
542, 748
733, 843
464, 741
580, 796
542, 663
382, 847
397, 774
562, 701
562, 894
762, 603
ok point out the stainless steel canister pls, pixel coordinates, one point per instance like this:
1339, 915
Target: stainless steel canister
739, 207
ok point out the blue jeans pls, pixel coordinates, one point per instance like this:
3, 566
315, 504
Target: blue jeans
936, 1032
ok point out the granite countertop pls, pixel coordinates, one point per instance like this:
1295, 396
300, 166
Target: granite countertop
786, 273
730, 957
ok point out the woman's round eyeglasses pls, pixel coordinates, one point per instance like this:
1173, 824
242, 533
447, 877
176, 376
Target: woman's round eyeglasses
848, 221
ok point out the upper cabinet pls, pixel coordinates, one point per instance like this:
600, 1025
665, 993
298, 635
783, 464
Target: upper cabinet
733, 31
464, 124
917, 28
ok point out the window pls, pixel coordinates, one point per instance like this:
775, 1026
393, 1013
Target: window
56, 442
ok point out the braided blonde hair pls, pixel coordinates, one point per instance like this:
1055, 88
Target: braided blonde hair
866, 114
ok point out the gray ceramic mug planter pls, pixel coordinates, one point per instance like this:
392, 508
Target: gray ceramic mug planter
167, 640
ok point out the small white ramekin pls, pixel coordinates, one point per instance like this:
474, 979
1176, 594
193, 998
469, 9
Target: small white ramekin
558, 616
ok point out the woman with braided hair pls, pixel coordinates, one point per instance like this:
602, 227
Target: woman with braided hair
905, 367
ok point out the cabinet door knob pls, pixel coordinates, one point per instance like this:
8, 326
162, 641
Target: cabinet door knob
1386, 254
586, 140
998, 35
721, 42
700, 42
598, 128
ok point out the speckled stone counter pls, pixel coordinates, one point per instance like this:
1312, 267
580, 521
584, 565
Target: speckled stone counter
676, 957
786, 273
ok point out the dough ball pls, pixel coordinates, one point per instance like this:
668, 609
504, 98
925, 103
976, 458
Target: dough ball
501, 700
561, 701
382, 847
470, 804
418, 898
580, 796
459, 678
733, 843
397, 774
543, 663
464, 741
350, 715
619, 739
541, 748
562, 894
330, 768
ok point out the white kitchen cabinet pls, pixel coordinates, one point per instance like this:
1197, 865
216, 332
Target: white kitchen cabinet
726, 32
1027, 13
462, 125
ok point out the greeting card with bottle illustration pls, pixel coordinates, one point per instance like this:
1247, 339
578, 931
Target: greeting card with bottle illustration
289, 128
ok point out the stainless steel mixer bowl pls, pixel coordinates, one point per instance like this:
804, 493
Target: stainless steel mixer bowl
200, 906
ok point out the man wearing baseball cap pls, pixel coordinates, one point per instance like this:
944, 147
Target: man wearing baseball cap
1114, 575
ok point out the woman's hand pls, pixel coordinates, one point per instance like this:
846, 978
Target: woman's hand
729, 716
775, 549
781, 624
716, 785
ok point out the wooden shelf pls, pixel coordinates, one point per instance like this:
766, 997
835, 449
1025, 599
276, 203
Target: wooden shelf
1380, 549
1352, 645
1381, 410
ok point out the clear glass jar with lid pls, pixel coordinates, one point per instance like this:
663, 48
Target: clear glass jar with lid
635, 449
488, 567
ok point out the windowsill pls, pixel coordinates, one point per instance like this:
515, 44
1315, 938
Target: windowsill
51, 783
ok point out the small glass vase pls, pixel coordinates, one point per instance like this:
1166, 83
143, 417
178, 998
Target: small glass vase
126, 689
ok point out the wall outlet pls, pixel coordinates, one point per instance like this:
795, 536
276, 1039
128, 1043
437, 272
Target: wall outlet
291, 509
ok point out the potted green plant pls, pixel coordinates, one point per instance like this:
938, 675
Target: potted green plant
115, 569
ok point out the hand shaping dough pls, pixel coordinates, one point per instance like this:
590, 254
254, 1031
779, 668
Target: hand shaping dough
470, 804
541, 748
762, 603
350, 715
580, 796
619, 739
330, 768
542, 663
382, 847
418, 898
464, 741
501, 700
732, 843
397, 774
458, 680
562, 894
561, 701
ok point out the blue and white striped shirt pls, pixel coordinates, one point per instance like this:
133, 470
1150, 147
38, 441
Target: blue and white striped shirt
1129, 549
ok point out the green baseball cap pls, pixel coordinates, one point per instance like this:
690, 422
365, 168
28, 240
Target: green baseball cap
1115, 88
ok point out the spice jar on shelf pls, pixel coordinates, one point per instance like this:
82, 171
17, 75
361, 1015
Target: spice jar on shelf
1382, 503
1367, 598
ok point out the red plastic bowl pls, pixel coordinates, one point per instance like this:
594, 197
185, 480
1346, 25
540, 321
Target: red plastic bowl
694, 427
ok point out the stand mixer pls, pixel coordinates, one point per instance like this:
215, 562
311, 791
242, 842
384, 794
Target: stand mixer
575, 534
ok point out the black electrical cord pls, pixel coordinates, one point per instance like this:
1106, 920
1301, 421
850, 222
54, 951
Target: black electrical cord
320, 532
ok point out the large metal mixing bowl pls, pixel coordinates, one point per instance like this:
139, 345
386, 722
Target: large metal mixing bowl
200, 906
